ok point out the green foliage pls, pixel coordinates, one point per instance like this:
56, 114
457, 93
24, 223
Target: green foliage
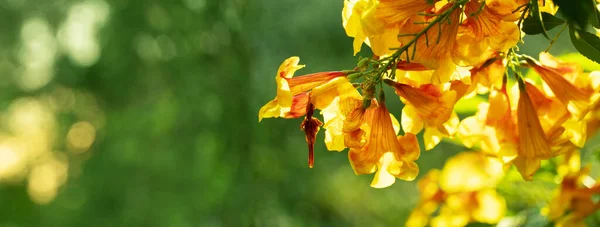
539, 25
577, 12
595, 18
586, 43
536, 18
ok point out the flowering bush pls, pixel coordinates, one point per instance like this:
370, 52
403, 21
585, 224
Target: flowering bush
435, 54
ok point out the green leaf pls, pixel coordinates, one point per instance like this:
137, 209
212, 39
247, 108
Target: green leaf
586, 43
536, 18
576, 12
595, 18
532, 26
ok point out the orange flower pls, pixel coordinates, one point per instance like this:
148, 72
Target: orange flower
388, 155
568, 84
533, 143
507, 9
377, 22
341, 98
427, 107
487, 74
493, 127
537, 129
292, 96
482, 31
434, 49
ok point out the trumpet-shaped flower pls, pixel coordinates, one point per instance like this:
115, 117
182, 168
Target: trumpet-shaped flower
492, 128
524, 129
533, 143
377, 22
427, 107
567, 82
337, 98
292, 96
298, 96
482, 31
385, 154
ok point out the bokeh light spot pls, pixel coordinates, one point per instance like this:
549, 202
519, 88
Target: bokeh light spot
77, 34
81, 136
196, 5
10, 162
37, 54
44, 180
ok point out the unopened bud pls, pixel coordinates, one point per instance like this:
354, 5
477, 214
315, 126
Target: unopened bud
362, 62
354, 76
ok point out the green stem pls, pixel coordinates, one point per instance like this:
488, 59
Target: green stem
555, 38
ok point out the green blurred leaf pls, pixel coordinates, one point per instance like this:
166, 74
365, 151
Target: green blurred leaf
586, 43
533, 26
595, 18
585, 63
536, 19
576, 11
468, 105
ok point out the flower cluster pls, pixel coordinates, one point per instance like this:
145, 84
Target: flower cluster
435, 54
462, 192
573, 199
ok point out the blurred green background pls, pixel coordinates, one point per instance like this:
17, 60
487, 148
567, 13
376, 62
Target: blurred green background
144, 113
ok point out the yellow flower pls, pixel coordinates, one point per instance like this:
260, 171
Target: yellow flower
292, 91
351, 21
568, 84
560, 126
377, 22
434, 49
573, 200
533, 143
299, 96
461, 193
483, 172
342, 98
385, 154
537, 129
427, 107
394, 13
507, 9
493, 127
292, 96
483, 31
487, 74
